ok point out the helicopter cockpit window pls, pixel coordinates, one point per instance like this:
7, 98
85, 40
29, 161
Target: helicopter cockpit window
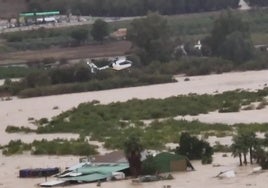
124, 63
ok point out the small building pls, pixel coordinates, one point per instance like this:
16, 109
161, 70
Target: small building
169, 162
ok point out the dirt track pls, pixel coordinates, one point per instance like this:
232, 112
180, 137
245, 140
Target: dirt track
101, 50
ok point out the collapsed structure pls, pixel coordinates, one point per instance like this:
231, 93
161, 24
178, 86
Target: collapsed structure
114, 166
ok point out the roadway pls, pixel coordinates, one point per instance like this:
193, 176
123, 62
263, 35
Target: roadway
75, 21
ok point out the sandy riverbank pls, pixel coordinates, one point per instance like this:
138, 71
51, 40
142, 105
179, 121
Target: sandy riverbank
18, 111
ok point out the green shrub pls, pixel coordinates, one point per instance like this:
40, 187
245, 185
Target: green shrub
54, 147
14, 37
15, 147
193, 148
221, 148
63, 147
14, 129
206, 159
230, 107
43, 121
15, 72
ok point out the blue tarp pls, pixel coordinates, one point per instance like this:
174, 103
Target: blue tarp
38, 172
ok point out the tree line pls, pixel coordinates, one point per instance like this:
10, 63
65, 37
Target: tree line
43, 38
130, 7
54, 147
78, 78
229, 39
259, 3
227, 47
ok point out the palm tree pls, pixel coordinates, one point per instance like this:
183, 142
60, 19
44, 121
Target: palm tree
265, 140
237, 149
259, 152
252, 143
249, 143
133, 149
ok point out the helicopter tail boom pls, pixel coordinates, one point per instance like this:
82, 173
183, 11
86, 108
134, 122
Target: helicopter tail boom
94, 67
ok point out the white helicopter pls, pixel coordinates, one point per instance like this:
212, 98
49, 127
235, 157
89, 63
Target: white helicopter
118, 63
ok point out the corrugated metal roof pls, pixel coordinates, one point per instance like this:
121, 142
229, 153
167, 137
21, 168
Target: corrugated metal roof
89, 178
102, 168
97, 171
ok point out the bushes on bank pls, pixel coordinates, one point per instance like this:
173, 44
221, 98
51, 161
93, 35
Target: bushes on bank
14, 129
54, 147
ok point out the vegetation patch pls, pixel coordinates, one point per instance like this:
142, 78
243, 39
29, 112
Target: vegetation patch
15, 147
221, 148
14, 129
79, 79
110, 123
252, 127
54, 147
193, 148
15, 72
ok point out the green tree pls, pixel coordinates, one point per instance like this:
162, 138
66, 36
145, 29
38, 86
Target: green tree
251, 142
133, 7
243, 143
152, 37
259, 152
99, 30
81, 74
80, 34
194, 148
230, 38
237, 48
265, 142
133, 149
207, 152
62, 75
36, 79
258, 3
237, 149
